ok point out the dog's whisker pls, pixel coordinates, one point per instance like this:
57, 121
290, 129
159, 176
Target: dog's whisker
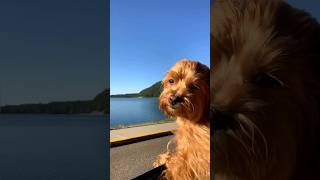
241, 141
253, 126
249, 160
193, 109
189, 104
186, 105
168, 145
249, 135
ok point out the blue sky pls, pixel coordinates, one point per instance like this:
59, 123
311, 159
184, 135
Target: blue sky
52, 50
311, 6
148, 37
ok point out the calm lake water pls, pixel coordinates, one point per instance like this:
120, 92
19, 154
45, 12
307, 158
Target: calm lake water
129, 111
53, 147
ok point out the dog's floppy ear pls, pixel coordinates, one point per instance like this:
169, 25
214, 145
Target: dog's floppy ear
203, 69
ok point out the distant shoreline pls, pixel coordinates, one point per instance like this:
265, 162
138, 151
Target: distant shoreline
99, 104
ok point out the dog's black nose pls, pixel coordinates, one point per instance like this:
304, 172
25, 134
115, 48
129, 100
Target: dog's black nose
221, 120
174, 100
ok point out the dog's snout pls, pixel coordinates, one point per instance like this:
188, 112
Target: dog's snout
221, 120
175, 99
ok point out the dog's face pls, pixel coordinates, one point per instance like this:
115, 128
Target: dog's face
186, 90
263, 88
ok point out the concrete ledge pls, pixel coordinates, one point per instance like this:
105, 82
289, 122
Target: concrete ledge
144, 137
129, 135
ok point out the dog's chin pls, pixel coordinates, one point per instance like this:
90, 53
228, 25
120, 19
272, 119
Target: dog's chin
178, 110
174, 110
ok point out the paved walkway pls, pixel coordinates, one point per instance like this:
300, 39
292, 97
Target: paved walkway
140, 131
130, 161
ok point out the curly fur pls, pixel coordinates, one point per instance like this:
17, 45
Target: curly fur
265, 81
191, 158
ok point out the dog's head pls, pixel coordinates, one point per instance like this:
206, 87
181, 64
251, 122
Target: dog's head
186, 90
264, 88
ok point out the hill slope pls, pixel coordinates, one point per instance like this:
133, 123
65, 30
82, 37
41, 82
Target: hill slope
152, 91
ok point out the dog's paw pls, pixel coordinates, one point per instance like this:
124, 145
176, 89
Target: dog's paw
162, 159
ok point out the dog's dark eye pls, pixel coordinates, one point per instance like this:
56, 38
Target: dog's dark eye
266, 81
171, 81
193, 87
